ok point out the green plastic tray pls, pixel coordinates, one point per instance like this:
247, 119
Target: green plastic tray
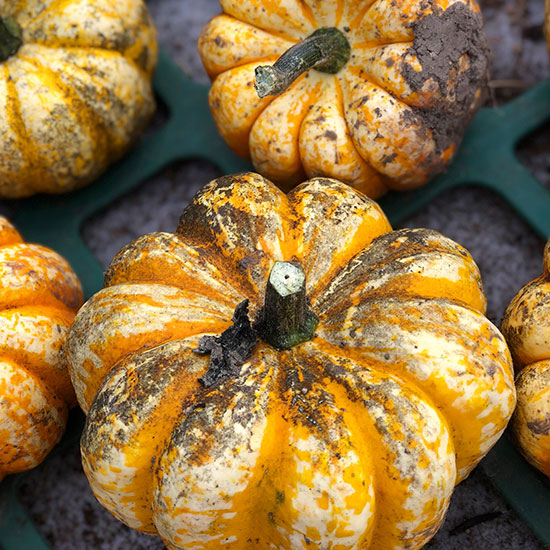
190, 133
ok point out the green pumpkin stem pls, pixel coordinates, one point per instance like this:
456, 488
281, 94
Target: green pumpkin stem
10, 37
285, 319
326, 50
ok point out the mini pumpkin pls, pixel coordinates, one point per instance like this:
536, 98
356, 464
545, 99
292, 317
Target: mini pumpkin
377, 94
75, 90
287, 370
39, 295
526, 326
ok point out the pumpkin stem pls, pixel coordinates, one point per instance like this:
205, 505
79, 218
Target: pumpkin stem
285, 319
11, 37
326, 50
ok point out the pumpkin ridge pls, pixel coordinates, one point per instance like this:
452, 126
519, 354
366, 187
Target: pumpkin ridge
129, 43
381, 187
106, 334
292, 108
37, 421
51, 7
47, 327
286, 21
135, 430
35, 275
86, 117
373, 269
306, 509
33, 165
356, 21
447, 372
140, 263
237, 408
345, 380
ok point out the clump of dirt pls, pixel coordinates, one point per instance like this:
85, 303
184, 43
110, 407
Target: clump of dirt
441, 40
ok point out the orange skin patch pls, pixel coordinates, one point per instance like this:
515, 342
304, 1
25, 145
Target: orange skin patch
354, 439
526, 326
39, 295
75, 95
372, 134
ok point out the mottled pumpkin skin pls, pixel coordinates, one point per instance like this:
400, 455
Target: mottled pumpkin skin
392, 117
352, 440
39, 295
526, 326
76, 94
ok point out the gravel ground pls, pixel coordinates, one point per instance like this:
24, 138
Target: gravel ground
508, 252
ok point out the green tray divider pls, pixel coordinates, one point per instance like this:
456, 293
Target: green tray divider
486, 158
17, 531
525, 488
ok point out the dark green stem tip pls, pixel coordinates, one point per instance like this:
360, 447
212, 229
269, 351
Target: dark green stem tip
11, 37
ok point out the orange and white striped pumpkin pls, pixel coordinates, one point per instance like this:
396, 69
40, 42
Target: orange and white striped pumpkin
75, 90
351, 439
39, 295
526, 326
392, 116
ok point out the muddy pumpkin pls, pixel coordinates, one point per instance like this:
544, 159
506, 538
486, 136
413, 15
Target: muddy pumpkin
39, 295
377, 94
287, 369
75, 90
526, 326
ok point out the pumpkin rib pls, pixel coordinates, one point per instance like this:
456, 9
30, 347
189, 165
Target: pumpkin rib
94, 129
254, 13
524, 322
274, 136
357, 20
50, 10
381, 187
227, 51
119, 320
132, 432
394, 434
35, 275
356, 222
134, 38
23, 142
329, 145
36, 421
242, 224
236, 414
100, 52
382, 267
390, 333
334, 504
164, 258
248, 106
32, 337
383, 78
94, 74
395, 147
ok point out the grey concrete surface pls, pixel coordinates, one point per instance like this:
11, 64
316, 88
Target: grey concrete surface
508, 252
